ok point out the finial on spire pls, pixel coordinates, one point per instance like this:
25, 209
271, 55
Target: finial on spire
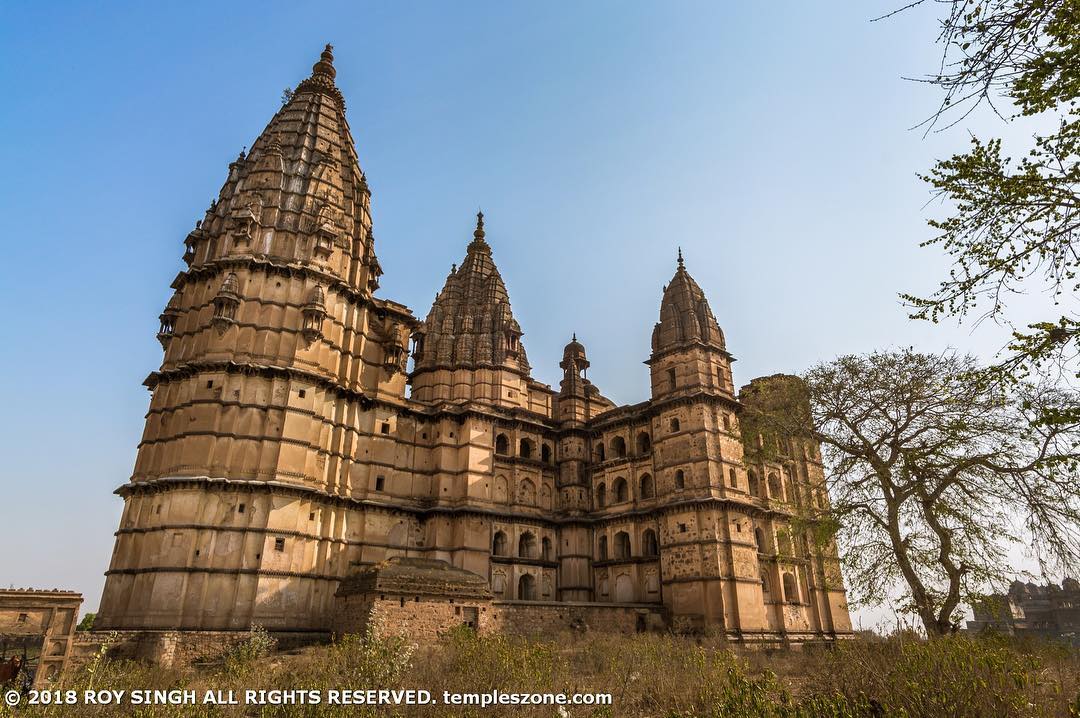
479, 233
681, 265
325, 65
574, 337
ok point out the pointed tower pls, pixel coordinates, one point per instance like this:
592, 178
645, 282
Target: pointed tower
709, 559
272, 337
469, 347
688, 349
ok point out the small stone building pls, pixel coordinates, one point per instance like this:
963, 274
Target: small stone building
418, 597
41, 625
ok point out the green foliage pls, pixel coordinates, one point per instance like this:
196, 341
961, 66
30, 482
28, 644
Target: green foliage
87, 622
1013, 223
258, 644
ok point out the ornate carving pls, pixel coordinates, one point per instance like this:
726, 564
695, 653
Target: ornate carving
226, 302
314, 314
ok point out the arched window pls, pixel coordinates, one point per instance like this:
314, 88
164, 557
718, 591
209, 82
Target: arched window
601, 496
545, 453
759, 539
502, 445
622, 545
525, 448
644, 443
498, 544
622, 493
602, 548
526, 588
599, 451
671, 378
674, 425
527, 545
545, 548
727, 422
649, 545
764, 583
733, 478
775, 490
647, 490
680, 479
791, 594
752, 481
618, 447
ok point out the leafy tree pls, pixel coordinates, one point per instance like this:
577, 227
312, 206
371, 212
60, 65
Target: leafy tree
87, 622
933, 473
1015, 215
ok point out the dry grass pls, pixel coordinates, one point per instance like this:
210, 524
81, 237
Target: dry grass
648, 675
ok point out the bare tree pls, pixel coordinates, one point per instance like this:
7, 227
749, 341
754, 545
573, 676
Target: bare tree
935, 473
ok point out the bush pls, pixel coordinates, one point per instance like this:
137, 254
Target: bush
258, 644
647, 675
956, 675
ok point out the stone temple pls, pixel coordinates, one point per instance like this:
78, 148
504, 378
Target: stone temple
305, 434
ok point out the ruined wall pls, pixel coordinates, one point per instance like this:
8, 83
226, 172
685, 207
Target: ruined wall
546, 618
50, 616
177, 649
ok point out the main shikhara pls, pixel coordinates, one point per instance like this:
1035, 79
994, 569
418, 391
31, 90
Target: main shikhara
287, 446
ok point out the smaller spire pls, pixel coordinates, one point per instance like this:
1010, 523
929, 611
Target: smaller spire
681, 265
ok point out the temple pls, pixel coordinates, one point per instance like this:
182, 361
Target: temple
308, 440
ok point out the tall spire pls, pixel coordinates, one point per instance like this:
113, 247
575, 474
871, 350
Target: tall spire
298, 194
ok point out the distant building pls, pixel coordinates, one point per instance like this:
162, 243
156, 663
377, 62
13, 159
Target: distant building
1051, 611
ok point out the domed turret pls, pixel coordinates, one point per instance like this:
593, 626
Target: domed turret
685, 315
574, 355
688, 348
314, 313
226, 302
168, 320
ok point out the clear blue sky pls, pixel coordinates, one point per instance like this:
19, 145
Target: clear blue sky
769, 140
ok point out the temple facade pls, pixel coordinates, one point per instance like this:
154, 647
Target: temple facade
302, 430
